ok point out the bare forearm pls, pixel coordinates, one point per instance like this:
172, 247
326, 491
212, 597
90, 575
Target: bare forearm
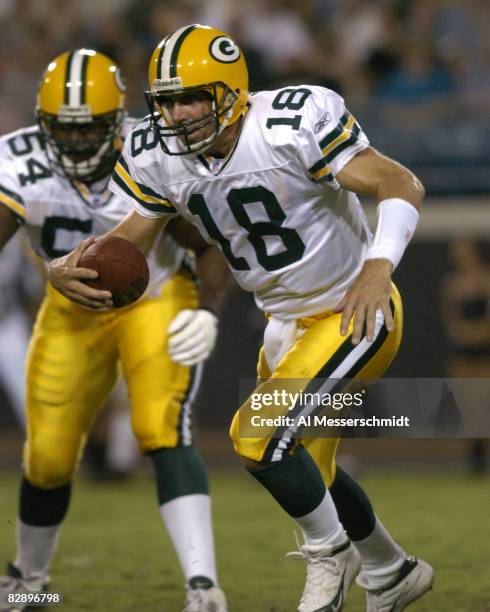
140, 231
186, 235
400, 183
372, 174
215, 279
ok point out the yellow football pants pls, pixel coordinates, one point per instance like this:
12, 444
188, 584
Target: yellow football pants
319, 351
74, 359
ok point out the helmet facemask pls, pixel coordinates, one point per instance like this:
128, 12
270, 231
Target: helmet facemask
175, 138
79, 145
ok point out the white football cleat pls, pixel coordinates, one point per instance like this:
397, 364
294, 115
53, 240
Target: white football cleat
14, 582
330, 574
203, 596
415, 578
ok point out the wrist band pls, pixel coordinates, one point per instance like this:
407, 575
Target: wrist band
397, 220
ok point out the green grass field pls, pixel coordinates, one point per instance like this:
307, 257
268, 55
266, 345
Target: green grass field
114, 555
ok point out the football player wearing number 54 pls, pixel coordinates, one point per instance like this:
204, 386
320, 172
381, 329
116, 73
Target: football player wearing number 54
54, 184
272, 179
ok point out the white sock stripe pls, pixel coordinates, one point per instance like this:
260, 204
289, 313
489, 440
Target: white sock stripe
187, 405
345, 366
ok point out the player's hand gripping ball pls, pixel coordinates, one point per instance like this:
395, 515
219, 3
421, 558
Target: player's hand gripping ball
122, 269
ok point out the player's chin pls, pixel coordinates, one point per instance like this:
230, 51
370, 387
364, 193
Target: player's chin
199, 135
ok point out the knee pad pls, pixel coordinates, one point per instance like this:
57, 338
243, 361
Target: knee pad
43, 508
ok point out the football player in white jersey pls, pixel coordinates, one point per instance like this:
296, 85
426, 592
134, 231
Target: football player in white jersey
271, 178
54, 184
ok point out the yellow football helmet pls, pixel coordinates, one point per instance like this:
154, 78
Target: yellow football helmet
80, 110
196, 60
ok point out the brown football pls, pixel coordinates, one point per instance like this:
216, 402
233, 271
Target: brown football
122, 269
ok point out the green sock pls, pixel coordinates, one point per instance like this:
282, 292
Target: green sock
353, 506
179, 471
294, 482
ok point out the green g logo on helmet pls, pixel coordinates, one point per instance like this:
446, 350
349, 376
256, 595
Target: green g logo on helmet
223, 49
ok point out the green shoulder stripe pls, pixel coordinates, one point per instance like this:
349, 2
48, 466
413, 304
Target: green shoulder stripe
11, 194
344, 145
144, 188
159, 208
336, 132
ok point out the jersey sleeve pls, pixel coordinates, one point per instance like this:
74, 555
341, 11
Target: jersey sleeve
131, 181
330, 136
10, 188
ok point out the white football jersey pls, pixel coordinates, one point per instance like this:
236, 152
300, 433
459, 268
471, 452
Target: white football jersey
58, 214
273, 206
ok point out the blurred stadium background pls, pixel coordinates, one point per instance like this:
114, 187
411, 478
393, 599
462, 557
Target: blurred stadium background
416, 73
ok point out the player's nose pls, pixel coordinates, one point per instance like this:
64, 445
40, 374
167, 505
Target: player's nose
180, 112
75, 136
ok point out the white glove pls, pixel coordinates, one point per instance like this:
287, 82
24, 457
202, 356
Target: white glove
192, 336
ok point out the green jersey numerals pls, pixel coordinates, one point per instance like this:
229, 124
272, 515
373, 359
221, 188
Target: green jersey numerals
143, 140
257, 231
54, 224
35, 172
197, 206
23, 145
292, 99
